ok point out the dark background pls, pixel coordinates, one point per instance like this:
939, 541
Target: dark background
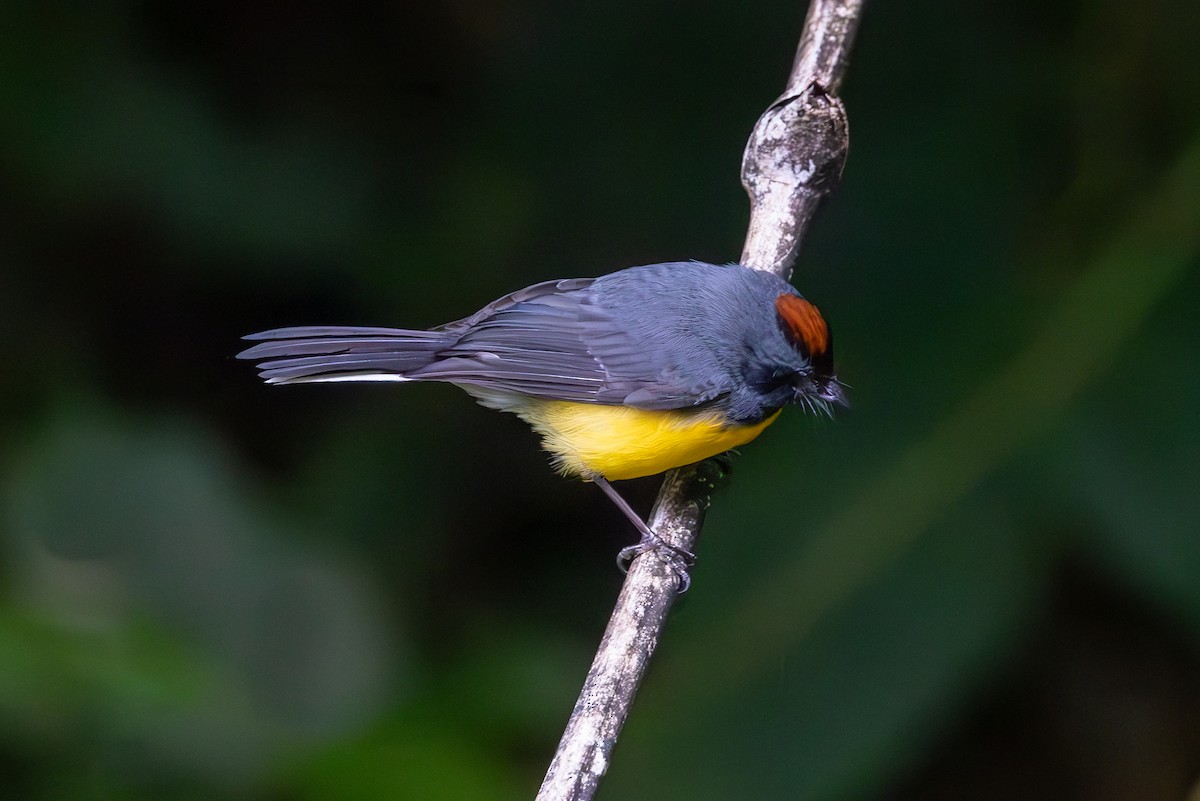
981, 582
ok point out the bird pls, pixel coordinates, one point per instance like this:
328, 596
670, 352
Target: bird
626, 375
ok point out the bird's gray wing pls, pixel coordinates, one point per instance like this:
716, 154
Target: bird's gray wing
555, 340
303, 354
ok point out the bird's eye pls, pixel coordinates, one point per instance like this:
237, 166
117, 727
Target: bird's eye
781, 377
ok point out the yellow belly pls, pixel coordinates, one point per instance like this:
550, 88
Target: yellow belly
619, 442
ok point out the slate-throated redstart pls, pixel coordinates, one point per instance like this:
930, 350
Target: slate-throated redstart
626, 375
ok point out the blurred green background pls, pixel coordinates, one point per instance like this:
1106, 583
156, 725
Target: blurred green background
981, 582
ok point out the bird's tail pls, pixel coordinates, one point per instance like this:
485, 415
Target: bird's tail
331, 353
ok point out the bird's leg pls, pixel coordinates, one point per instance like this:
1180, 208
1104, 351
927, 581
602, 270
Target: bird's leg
680, 559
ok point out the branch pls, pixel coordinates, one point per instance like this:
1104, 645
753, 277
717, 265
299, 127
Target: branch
798, 147
794, 157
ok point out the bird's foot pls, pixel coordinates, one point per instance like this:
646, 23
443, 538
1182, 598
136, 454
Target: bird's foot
680, 560
724, 463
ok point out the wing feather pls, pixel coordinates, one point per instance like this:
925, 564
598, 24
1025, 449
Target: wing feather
553, 340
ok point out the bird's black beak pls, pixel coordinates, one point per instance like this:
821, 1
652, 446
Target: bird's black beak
820, 392
833, 392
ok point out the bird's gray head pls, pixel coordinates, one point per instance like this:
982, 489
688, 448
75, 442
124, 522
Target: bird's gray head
794, 365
